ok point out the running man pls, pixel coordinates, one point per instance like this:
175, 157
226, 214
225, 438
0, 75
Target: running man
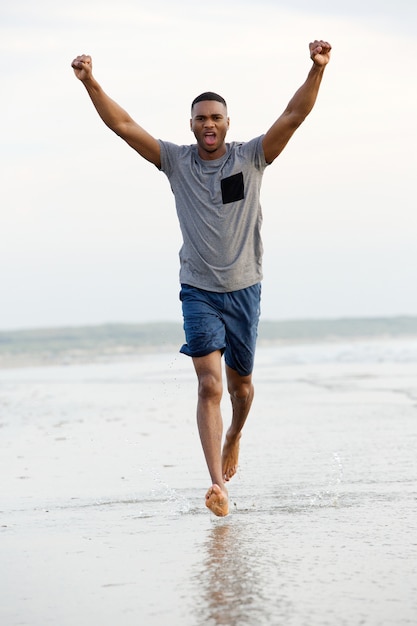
216, 186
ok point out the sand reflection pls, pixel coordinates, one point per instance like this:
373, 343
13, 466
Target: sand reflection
231, 576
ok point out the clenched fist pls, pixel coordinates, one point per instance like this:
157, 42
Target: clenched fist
82, 66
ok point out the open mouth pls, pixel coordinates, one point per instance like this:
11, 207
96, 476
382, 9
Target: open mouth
210, 138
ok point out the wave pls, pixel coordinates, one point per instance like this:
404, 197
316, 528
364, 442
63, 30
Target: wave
109, 341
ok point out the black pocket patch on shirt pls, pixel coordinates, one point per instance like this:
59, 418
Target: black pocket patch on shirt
233, 188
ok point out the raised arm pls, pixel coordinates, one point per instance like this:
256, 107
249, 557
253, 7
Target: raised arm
116, 118
300, 104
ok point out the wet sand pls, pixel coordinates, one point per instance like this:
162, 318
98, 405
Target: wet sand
103, 481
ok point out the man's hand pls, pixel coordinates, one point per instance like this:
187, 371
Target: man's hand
83, 67
320, 52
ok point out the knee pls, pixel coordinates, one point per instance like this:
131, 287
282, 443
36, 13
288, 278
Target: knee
210, 387
243, 391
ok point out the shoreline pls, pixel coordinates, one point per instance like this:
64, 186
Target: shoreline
125, 342
73, 356
104, 483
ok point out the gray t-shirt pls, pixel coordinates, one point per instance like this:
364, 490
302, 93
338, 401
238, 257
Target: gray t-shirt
219, 212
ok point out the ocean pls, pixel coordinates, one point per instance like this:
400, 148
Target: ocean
103, 482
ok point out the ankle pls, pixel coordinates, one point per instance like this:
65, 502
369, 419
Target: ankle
232, 435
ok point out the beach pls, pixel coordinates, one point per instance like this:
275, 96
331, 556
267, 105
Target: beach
103, 482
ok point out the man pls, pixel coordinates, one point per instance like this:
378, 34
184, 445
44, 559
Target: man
216, 187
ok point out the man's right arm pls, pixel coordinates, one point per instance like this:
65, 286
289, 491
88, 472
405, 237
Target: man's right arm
116, 118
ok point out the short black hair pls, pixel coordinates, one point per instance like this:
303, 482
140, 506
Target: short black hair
208, 95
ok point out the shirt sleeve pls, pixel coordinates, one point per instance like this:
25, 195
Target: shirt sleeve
169, 155
254, 152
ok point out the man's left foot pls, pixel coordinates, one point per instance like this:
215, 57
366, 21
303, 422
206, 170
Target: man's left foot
217, 501
230, 457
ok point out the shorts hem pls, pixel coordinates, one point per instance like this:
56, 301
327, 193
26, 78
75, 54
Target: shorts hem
239, 371
186, 350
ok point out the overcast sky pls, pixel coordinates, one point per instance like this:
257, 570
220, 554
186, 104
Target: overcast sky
88, 230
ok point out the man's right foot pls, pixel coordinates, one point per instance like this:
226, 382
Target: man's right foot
217, 501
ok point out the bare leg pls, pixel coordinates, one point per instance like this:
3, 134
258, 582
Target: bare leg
241, 392
210, 427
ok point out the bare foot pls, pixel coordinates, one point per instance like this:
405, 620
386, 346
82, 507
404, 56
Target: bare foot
230, 457
217, 501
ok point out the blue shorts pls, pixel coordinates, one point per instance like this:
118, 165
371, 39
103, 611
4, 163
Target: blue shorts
222, 321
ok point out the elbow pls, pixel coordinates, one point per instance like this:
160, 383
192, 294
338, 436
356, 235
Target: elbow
120, 129
296, 118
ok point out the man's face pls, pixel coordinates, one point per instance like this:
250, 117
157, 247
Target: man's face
210, 124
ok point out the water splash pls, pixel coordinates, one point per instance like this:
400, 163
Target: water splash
166, 494
331, 495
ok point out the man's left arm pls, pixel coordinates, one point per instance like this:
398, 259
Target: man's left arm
300, 104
